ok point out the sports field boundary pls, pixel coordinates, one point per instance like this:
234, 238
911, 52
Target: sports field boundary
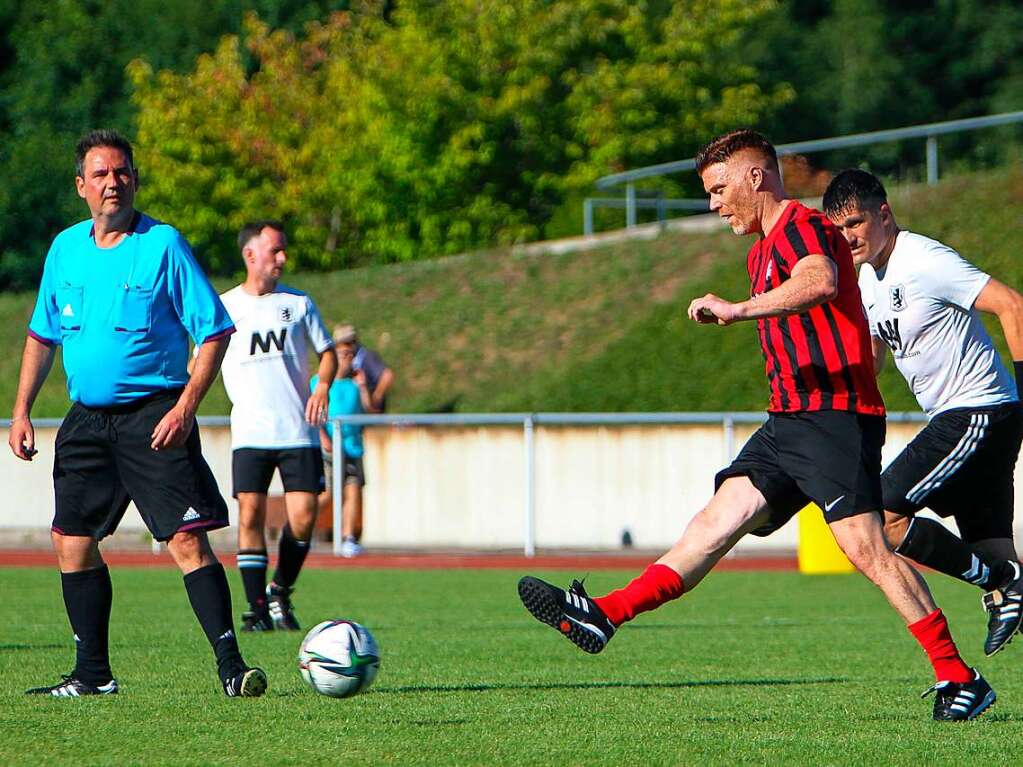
420, 561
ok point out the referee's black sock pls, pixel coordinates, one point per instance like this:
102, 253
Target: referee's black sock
252, 566
290, 557
211, 601
932, 544
87, 598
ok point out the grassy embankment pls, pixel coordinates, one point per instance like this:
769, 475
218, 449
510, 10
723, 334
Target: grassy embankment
598, 330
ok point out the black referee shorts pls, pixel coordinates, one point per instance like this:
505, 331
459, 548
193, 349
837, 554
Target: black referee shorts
961, 465
103, 460
301, 469
830, 457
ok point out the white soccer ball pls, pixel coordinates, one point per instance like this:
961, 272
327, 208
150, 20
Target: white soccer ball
339, 658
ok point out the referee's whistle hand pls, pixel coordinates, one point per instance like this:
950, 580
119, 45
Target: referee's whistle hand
173, 429
22, 439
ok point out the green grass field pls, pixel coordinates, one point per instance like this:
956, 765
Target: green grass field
751, 668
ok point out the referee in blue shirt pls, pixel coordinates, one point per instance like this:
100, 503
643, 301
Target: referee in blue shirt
122, 293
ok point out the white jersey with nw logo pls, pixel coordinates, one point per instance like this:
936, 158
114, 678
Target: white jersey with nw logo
266, 368
921, 305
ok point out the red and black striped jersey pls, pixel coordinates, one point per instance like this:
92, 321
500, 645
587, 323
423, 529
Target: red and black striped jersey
819, 359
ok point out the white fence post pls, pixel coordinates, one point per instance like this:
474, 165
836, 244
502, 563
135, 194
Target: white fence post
337, 491
529, 547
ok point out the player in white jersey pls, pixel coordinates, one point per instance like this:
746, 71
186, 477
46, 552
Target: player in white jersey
923, 303
274, 419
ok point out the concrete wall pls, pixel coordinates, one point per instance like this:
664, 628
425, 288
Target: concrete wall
465, 486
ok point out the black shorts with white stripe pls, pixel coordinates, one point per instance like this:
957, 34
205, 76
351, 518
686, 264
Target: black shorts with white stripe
961, 465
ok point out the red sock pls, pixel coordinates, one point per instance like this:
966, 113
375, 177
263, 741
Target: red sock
658, 584
933, 635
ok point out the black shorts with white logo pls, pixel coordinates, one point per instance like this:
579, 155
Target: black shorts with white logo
301, 469
961, 465
103, 460
830, 457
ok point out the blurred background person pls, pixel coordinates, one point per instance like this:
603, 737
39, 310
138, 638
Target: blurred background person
379, 377
349, 394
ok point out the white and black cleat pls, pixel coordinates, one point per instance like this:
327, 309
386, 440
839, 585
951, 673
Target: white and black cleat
256, 622
571, 611
1005, 612
249, 683
278, 604
961, 701
70, 687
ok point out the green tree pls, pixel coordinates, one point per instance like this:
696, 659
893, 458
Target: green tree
62, 72
438, 126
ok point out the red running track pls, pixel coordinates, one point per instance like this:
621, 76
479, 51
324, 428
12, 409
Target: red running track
418, 561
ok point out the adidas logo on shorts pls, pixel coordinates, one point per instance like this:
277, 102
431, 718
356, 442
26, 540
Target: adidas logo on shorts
190, 515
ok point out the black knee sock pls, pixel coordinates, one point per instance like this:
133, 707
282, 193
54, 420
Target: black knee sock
252, 566
87, 598
211, 601
933, 545
290, 557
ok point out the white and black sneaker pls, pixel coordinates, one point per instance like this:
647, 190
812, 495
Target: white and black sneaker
70, 687
1005, 611
278, 604
961, 701
249, 683
256, 622
571, 611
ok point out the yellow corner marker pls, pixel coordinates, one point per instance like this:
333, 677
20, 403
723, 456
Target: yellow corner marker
818, 552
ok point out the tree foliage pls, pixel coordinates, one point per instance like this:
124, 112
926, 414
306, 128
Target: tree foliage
442, 127
62, 72
862, 65
413, 127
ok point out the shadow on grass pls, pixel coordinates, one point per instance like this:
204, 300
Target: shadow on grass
613, 685
1000, 718
16, 647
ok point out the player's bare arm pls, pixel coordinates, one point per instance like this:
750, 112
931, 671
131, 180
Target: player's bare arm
36, 360
880, 351
814, 280
316, 406
174, 428
1007, 304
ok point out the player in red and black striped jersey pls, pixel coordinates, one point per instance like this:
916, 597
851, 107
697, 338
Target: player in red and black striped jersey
823, 437
821, 358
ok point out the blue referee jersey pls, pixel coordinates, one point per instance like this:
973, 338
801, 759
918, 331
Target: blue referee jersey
124, 314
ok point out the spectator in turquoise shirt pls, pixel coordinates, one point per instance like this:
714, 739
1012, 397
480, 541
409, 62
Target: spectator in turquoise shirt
349, 395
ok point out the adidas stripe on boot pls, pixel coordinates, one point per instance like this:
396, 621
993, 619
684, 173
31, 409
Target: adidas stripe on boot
571, 611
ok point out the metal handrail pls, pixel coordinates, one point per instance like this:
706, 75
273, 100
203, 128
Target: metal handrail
929, 131
821, 145
528, 422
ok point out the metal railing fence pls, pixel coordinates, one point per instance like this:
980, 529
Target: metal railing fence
631, 202
528, 422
